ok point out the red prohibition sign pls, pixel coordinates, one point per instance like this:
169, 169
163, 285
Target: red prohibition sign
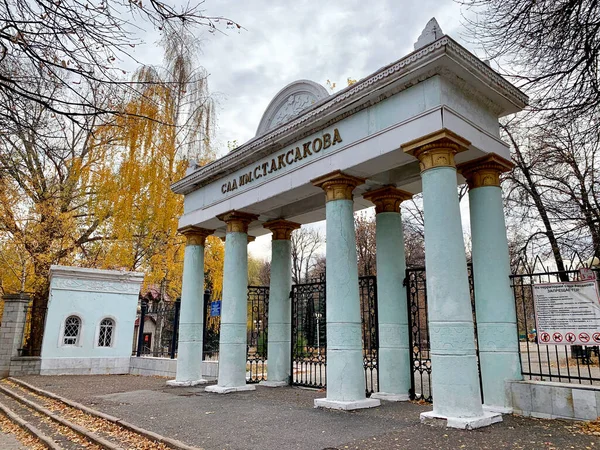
584, 337
570, 337
545, 337
557, 337
596, 337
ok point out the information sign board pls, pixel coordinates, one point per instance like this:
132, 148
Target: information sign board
567, 313
215, 308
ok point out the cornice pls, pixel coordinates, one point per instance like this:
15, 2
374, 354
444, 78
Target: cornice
116, 276
329, 109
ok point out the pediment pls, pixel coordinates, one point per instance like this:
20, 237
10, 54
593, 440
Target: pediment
289, 103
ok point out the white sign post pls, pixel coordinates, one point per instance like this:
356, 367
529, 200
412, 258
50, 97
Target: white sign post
567, 313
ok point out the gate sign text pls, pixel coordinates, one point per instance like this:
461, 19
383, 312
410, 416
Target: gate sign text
567, 313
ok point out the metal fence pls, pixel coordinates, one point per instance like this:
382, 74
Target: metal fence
562, 363
418, 327
258, 328
156, 329
33, 314
309, 334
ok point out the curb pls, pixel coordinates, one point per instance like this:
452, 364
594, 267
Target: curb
173, 443
37, 433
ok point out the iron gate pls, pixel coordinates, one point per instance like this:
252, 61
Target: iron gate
257, 330
309, 334
420, 357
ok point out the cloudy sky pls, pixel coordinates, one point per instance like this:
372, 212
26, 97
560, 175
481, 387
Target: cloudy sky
285, 41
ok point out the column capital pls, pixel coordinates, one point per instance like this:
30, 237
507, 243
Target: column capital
195, 235
485, 171
337, 185
251, 238
387, 198
436, 149
237, 221
281, 229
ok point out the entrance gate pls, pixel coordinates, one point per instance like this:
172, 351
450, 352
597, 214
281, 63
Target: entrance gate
420, 358
309, 334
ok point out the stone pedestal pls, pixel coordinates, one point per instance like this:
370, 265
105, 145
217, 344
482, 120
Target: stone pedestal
191, 317
234, 311
455, 377
11, 331
394, 352
494, 302
345, 371
280, 320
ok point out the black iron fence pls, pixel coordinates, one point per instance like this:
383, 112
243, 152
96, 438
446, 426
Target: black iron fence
549, 362
309, 334
418, 325
33, 314
257, 331
156, 329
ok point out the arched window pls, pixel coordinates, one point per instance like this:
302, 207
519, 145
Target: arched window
72, 328
106, 333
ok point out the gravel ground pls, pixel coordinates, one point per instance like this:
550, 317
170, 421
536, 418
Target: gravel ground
284, 418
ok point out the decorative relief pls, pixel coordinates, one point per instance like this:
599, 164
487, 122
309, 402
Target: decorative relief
387, 198
478, 66
237, 221
436, 149
485, 171
126, 287
393, 335
344, 336
337, 185
281, 229
195, 235
289, 103
497, 337
452, 338
295, 104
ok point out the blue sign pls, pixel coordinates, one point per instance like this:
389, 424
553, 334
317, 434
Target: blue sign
215, 309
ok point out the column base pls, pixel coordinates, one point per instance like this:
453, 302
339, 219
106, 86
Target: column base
176, 383
346, 406
216, 389
274, 384
390, 397
462, 423
498, 409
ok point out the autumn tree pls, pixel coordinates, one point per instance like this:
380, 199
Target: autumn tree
50, 174
154, 154
79, 45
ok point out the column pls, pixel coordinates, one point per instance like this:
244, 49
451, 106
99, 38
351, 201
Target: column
494, 302
11, 331
394, 349
234, 311
345, 371
280, 308
455, 378
191, 315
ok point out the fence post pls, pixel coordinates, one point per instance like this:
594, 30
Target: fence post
11, 332
140, 342
175, 327
206, 301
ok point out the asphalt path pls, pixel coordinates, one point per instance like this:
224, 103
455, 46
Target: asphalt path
284, 418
